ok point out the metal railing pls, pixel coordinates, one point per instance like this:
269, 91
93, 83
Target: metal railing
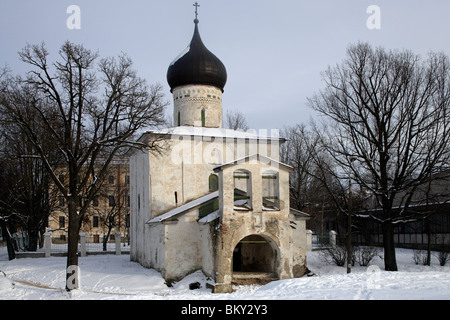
319, 241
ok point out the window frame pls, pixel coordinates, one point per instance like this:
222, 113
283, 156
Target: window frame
242, 202
270, 190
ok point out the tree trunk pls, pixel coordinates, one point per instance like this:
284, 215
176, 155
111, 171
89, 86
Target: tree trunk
72, 246
6, 236
105, 239
33, 236
390, 261
428, 230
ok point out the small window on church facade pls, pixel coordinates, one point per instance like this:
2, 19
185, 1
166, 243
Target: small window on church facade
203, 117
242, 190
179, 118
213, 183
270, 191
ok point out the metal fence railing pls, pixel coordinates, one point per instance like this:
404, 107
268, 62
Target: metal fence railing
319, 241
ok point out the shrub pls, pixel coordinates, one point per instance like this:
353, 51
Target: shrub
443, 257
420, 257
338, 255
365, 254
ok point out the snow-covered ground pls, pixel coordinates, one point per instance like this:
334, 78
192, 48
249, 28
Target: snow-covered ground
116, 277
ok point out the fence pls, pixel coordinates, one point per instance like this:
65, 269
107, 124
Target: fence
86, 245
438, 241
316, 242
90, 244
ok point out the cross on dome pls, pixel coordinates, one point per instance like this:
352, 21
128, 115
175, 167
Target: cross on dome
196, 5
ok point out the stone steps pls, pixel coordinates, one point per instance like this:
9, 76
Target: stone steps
248, 278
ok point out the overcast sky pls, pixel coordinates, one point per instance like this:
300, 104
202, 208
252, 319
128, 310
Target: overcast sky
273, 50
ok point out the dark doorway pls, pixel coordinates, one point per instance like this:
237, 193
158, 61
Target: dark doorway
254, 253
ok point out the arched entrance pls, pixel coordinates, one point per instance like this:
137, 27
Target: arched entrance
255, 256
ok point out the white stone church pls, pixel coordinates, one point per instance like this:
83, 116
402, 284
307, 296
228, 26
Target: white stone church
215, 200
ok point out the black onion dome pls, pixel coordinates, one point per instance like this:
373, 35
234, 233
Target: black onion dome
196, 65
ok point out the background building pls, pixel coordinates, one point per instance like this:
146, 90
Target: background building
109, 211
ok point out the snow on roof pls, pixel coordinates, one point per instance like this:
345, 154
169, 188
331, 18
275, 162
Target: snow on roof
258, 157
299, 214
183, 208
262, 134
188, 48
210, 217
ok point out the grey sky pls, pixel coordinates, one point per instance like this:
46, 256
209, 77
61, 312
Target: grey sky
274, 50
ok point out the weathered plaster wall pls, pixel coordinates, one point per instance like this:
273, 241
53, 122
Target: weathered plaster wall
274, 226
157, 248
140, 191
183, 246
299, 244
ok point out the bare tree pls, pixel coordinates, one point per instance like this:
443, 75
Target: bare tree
24, 200
296, 152
29, 201
91, 111
389, 130
236, 120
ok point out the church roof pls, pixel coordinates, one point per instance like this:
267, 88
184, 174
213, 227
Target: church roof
183, 208
218, 133
258, 157
299, 214
196, 65
208, 133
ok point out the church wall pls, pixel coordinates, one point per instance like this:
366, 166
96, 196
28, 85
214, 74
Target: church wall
175, 183
183, 248
133, 222
139, 207
207, 249
186, 165
298, 246
157, 251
